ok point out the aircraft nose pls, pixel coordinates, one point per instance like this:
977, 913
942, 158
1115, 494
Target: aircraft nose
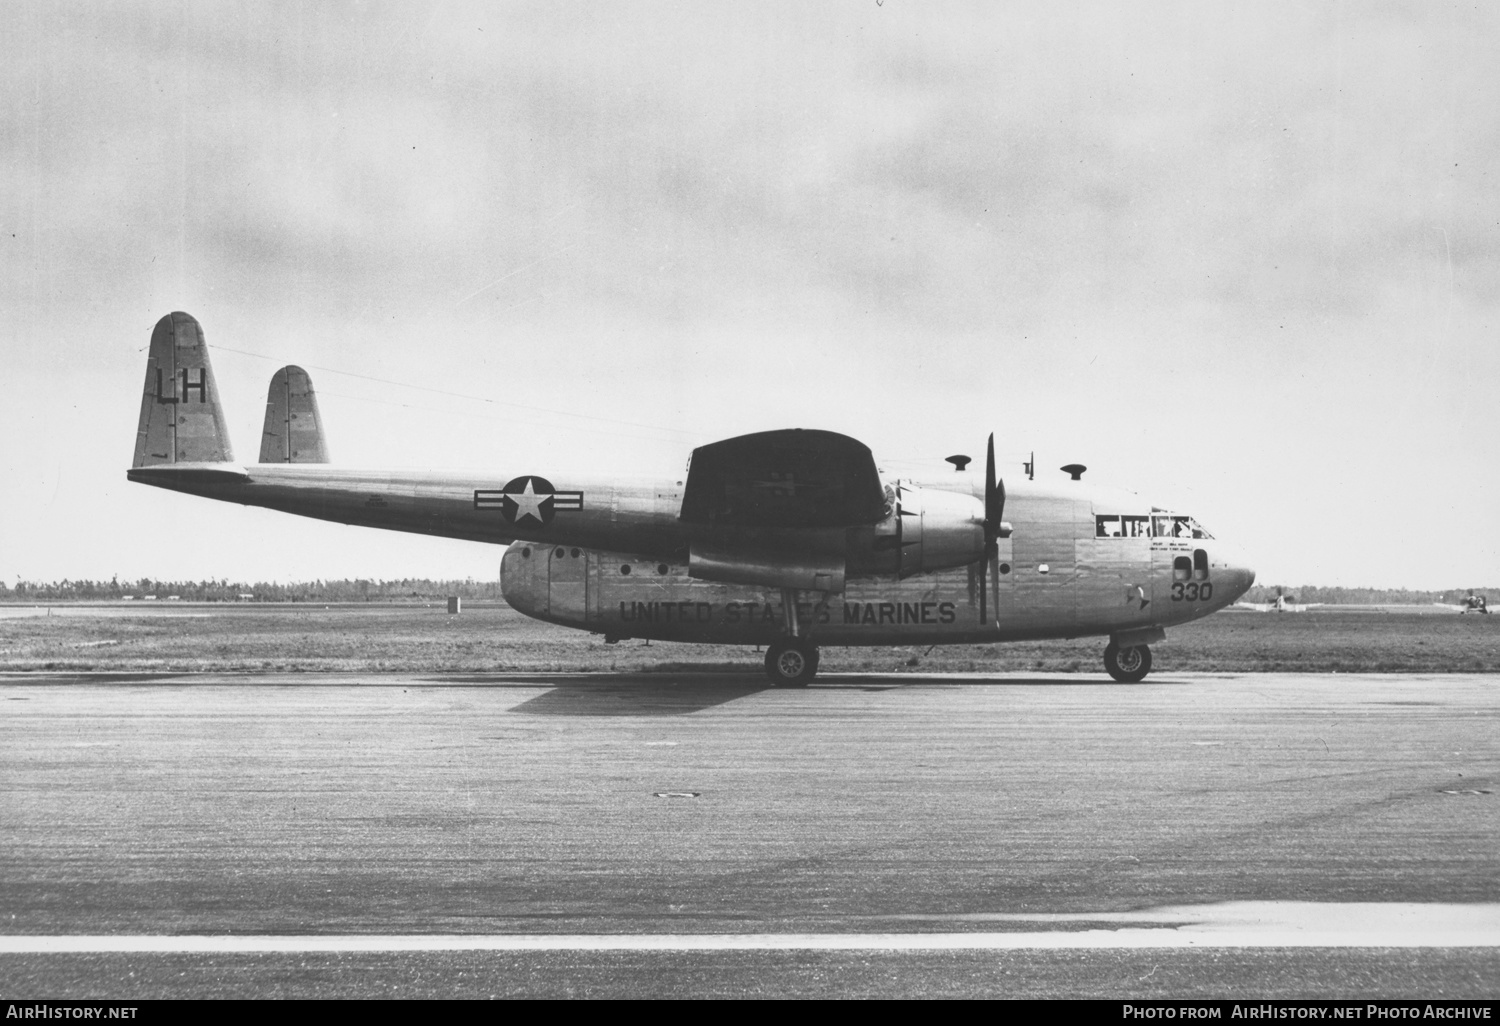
1237, 575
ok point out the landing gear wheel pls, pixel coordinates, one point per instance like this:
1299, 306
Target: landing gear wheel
791, 663
1127, 665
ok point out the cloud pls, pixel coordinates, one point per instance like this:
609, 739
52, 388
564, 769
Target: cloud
905, 220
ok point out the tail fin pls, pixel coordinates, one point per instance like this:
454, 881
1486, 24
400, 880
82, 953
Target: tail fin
181, 419
294, 430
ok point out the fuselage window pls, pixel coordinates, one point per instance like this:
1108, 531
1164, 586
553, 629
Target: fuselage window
1109, 525
1182, 569
1200, 564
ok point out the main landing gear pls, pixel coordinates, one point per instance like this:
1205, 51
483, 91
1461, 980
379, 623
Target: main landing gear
1127, 665
791, 660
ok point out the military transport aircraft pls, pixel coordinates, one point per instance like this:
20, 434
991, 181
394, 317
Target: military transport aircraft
789, 539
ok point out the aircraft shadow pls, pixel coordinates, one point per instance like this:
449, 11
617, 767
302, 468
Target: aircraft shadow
647, 694
639, 695
887, 681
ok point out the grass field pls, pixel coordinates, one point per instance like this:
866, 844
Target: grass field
496, 638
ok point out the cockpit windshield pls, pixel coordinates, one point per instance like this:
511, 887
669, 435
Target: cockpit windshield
1160, 524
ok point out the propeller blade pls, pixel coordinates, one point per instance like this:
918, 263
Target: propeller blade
991, 515
994, 509
995, 580
984, 613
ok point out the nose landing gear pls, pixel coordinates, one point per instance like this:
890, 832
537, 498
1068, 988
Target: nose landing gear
1128, 665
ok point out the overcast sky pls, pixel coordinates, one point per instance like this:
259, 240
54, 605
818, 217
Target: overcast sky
1241, 259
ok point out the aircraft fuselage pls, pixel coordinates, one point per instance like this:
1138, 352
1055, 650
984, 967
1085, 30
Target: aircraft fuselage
609, 556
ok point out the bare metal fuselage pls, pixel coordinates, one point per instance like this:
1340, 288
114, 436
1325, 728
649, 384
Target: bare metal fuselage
614, 560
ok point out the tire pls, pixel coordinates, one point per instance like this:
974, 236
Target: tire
1127, 665
791, 663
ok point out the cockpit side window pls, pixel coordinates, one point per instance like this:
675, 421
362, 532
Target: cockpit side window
1159, 524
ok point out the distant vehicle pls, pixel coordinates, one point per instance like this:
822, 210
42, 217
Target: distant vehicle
1475, 604
1282, 603
788, 539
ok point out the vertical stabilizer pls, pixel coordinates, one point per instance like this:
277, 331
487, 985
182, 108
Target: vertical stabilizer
294, 430
181, 419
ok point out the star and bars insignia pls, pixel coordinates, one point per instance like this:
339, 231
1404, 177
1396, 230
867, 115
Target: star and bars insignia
528, 497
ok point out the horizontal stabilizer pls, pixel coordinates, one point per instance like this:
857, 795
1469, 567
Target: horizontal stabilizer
169, 475
294, 429
181, 419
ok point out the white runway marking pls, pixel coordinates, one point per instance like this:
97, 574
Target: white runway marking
1231, 925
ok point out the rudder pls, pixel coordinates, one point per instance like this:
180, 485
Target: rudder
294, 430
181, 419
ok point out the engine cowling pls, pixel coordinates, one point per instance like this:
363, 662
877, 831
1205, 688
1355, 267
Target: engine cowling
928, 529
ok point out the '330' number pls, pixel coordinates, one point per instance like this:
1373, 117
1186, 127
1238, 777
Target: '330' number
1193, 592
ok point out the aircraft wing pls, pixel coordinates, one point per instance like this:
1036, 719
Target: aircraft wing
784, 479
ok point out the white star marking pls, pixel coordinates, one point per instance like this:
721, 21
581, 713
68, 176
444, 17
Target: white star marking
529, 503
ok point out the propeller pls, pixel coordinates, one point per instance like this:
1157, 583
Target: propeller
994, 508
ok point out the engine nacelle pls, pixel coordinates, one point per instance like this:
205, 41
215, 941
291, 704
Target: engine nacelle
929, 529
767, 567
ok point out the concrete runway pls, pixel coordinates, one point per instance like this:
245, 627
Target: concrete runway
527, 806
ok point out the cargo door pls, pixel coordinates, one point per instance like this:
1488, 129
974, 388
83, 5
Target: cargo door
567, 583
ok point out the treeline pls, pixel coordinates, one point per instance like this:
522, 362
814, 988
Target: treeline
425, 589
1362, 596
405, 590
